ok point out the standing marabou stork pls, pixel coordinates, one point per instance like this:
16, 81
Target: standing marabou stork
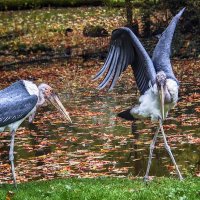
154, 77
19, 101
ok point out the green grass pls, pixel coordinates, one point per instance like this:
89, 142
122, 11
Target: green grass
23, 31
105, 188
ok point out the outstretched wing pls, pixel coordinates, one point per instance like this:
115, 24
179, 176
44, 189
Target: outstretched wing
126, 49
161, 54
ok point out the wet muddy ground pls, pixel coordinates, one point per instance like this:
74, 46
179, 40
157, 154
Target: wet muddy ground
98, 143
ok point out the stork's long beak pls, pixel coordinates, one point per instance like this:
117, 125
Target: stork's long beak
53, 98
162, 102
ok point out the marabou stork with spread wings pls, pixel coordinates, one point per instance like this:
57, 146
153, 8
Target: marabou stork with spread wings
154, 77
19, 101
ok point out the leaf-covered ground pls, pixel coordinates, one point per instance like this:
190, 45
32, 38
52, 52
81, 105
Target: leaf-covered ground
37, 31
97, 143
28, 34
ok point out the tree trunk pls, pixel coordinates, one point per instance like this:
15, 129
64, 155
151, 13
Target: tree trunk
146, 31
129, 13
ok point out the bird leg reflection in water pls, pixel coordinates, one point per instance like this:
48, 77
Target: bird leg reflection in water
167, 147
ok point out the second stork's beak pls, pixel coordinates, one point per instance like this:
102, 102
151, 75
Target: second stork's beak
162, 102
53, 98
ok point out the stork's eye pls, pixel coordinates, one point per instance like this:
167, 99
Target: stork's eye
47, 91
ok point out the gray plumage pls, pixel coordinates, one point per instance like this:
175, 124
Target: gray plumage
15, 103
154, 77
162, 51
19, 101
126, 49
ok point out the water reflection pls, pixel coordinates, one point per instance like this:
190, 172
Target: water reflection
98, 143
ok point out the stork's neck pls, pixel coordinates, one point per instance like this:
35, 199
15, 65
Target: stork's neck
168, 98
161, 80
41, 98
31, 88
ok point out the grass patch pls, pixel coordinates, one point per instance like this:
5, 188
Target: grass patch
105, 188
24, 30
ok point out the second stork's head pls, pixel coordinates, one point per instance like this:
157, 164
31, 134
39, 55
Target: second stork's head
47, 93
161, 80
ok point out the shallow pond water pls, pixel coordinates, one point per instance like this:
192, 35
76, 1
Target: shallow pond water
98, 143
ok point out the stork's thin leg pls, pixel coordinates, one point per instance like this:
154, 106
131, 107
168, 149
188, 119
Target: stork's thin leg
152, 146
11, 157
167, 147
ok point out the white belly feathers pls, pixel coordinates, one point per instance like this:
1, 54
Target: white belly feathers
150, 104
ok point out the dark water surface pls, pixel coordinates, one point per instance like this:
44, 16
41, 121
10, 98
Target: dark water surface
98, 143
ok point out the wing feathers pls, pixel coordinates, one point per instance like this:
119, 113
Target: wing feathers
111, 70
126, 49
15, 110
118, 69
162, 51
107, 63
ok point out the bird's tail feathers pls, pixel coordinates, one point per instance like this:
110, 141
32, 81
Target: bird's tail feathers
126, 115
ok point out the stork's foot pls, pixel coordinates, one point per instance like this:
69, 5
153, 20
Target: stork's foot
146, 179
181, 178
